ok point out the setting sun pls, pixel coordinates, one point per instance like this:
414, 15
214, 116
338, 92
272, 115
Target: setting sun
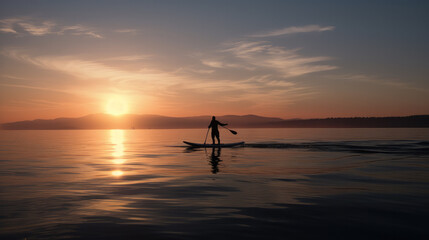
116, 106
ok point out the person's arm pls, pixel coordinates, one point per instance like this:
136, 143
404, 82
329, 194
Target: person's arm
223, 124
210, 124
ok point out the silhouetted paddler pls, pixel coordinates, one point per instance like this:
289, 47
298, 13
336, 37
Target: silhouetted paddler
215, 129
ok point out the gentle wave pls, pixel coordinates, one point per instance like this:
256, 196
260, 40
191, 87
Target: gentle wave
408, 147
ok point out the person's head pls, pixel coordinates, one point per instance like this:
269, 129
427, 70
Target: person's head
213, 118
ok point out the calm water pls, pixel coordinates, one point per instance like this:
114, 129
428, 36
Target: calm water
285, 184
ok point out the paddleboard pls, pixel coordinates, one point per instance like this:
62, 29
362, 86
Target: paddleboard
222, 145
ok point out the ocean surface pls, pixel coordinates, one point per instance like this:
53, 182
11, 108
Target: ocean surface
283, 184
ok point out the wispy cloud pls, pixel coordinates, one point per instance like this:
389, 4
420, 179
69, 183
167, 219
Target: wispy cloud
128, 58
380, 81
254, 70
292, 30
43, 28
87, 69
213, 63
127, 30
260, 56
37, 27
7, 25
33, 87
78, 30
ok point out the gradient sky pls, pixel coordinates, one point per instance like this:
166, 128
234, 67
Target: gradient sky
290, 59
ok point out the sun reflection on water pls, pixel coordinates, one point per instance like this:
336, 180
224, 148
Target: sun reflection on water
117, 173
118, 161
117, 139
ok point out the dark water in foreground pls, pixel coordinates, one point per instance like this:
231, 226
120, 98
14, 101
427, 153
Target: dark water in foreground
285, 184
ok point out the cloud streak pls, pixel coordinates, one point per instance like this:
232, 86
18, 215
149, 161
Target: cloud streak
262, 56
379, 81
35, 27
33, 87
86, 69
127, 30
293, 30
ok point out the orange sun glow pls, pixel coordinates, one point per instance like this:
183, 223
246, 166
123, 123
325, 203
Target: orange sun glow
116, 106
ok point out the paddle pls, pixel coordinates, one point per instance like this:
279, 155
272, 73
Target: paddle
232, 131
205, 140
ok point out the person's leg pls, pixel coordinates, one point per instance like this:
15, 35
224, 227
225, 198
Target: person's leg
217, 136
213, 137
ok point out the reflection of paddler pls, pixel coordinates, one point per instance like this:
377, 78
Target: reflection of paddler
215, 160
215, 129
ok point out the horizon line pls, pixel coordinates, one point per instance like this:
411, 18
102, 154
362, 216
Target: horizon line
225, 115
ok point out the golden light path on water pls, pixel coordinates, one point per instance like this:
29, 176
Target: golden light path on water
117, 173
117, 139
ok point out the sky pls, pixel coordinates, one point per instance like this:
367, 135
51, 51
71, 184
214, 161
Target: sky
289, 59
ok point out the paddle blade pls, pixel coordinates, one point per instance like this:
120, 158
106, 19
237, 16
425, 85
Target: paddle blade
233, 132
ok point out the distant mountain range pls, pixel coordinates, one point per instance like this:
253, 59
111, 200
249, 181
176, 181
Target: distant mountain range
134, 121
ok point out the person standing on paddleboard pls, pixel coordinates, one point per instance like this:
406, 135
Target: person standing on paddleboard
215, 130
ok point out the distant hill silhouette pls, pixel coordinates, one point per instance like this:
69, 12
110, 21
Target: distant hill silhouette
134, 121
